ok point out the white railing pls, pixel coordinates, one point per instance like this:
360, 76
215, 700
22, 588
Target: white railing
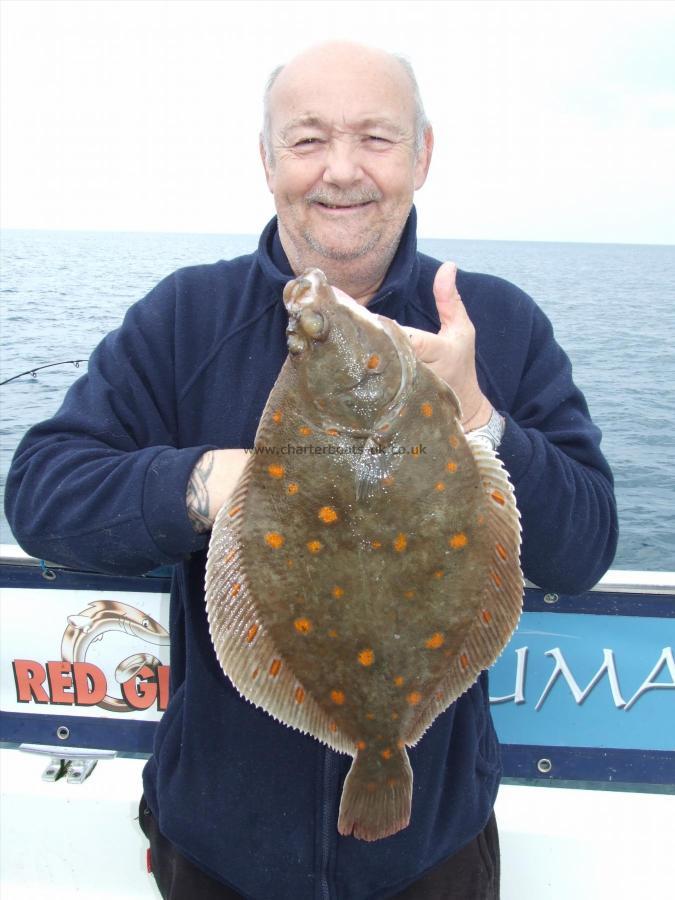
621, 581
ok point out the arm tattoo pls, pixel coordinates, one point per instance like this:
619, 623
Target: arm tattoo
197, 497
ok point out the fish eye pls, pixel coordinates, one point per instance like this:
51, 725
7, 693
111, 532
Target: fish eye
145, 623
313, 324
296, 344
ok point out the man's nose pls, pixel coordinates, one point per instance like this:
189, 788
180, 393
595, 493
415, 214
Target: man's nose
342, 163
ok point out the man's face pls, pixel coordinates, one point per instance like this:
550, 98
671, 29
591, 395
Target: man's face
344, 165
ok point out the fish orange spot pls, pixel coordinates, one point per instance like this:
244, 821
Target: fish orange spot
400, 542
230, 556
234, 590
337, 592
453, 440
370, 715
394, 716
388, 479
386, 753
361, 745
451, 466
234, 510
385, 427
486, 616
501, 551
498, 497
373, 362
333, 726
274, 668
251, 633
400, 744
293, 488
464, 661
392, 782
338, 697
414, 697
333, 432
371, 787
497, 580
328, 514
274, 539
435, 641
399, 680
458, 540
366, 657
275, 470
440, 485
408, 594
438, 573
332, 633
376, 544
299, 695
277, 416
255, 673
427, 410
314, 546
289, 563
303, 625
304, 431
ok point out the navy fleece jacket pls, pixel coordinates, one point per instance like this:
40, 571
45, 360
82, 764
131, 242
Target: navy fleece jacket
102, 486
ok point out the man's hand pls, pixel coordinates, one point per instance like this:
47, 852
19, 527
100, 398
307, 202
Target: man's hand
452, 352
212, 481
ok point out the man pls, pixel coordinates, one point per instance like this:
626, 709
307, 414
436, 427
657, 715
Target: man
236, 803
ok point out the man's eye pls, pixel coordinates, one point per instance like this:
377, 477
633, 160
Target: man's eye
307, 142
376, 139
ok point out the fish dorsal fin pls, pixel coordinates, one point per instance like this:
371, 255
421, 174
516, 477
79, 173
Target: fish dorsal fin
243, 644
501, 595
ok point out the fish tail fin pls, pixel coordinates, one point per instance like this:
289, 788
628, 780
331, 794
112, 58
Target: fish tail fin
377, 796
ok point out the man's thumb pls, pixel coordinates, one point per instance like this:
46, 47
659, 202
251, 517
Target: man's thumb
445, 293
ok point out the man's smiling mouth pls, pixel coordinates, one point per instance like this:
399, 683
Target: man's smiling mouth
343, 206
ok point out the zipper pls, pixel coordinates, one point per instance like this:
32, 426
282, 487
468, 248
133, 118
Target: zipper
327, 821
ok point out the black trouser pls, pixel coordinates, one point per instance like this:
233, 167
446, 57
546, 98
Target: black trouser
470, 874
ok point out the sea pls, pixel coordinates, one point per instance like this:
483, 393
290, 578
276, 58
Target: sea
612, 307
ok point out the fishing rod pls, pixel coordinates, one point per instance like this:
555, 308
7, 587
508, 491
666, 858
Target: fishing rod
33, 372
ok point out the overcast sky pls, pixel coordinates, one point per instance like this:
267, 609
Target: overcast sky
553, 120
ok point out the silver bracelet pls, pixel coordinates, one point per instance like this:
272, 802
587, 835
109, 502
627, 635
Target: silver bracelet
489, 435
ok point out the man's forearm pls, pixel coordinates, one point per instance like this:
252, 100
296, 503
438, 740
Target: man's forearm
212, 481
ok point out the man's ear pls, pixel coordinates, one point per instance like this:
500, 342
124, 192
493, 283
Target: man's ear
423, 160
269, 172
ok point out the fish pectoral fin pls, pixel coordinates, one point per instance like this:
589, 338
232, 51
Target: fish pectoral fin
370, 468
377, 797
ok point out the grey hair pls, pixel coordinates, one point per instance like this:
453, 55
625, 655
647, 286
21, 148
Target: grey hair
421, 120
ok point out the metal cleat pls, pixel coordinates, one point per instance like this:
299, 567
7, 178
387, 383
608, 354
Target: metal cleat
77, 765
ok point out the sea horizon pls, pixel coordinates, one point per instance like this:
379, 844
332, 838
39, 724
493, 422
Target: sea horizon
256, 237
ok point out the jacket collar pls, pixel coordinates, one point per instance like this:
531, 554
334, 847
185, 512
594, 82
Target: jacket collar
398, 287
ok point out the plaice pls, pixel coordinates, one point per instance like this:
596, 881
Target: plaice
366, 568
